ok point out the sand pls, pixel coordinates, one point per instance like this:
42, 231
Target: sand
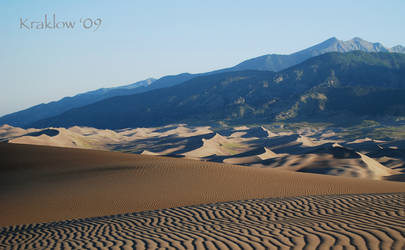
304, 150
67, 198
362, 221
44, 184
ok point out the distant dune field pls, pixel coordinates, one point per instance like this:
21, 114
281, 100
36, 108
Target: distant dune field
309, 150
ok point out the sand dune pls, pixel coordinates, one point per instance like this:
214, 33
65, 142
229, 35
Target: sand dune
252, 157
241, 128
307, 142
316, 158
74, 137
218, 145
376, 169
62, 198
9, 132
363, 221
308, 150
91, 138
268, 154
182, 130
242, 160
44, 184
332, 160
164, 152
269, 133
392, 157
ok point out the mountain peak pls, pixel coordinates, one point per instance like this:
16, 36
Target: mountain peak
277, 62
327, 43
358, 39
398, 49
332, 39
358, 43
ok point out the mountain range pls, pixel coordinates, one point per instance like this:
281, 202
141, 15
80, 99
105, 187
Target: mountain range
340, 86
271, 62
275, 62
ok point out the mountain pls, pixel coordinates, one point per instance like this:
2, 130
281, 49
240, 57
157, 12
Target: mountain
42, 111
275, 62
398, 49
343, 85
272, 62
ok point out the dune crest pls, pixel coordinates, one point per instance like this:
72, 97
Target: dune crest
268, 154
377, 170
269, 133
217, 145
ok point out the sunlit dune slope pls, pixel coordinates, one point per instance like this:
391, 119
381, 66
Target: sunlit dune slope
42, 184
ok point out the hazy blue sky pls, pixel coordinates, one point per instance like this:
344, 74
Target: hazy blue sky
141, 39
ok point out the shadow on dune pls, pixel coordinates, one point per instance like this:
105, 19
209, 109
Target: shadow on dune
165, 129
337, 152
255, 132
326, 170
396, 177
48, 132
368, 146
159, 144
388, 152
253, 152
227, 132
280, 144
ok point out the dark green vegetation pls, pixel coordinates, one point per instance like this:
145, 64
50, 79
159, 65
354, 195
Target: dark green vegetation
334, 87
380, 131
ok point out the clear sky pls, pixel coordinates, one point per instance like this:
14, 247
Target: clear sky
153, 38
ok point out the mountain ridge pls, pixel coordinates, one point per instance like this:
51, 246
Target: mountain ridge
277, 62
270, 62
352, 84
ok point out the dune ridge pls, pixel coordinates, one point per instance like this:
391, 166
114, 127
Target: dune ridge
52, 184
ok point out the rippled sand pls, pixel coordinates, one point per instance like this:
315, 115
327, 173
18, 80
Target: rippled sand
365, 221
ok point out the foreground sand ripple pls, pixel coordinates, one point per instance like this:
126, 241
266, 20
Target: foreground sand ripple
365, 221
